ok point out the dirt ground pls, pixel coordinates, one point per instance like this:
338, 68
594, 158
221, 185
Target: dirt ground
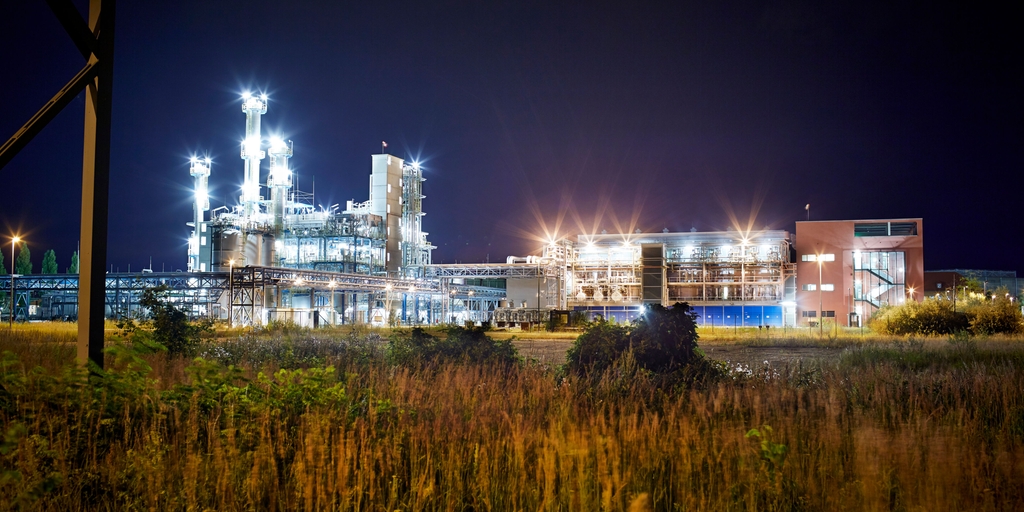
553, 352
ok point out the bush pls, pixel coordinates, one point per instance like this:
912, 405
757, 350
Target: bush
663, 341
934, 317
996, 316
461, 344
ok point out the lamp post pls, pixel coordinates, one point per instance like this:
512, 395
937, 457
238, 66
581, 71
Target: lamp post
231, 293
821, 313
820, 259
14, 300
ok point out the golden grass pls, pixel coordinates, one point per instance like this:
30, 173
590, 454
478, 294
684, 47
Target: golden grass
866, 434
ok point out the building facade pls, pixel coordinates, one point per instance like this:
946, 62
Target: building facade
848, 269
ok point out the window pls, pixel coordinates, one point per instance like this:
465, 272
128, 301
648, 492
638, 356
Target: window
810, 287
818, 257
389, 188
885, 229
828, 314
202, 240
878, 278
828, 287
809, 314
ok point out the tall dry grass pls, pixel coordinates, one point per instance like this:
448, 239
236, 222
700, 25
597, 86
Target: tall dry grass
883, 429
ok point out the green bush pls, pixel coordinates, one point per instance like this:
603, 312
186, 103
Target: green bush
933, 317
996, 316
663, 341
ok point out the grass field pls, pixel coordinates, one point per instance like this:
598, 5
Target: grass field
321, 421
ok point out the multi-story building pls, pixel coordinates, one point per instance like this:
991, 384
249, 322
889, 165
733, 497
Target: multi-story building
730, 278
847, 269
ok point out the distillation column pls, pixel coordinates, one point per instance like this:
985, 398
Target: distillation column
279, 182
200, 171
252, 153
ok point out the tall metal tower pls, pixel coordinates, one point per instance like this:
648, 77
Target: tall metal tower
279, 181
252, 153
200, 171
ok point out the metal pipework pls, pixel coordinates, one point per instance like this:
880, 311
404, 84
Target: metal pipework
252, 153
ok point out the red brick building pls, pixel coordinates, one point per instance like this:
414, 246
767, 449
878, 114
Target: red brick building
847, 269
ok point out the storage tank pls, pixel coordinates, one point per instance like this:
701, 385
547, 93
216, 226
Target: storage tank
226, 247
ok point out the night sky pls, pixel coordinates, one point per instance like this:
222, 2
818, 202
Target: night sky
537, 118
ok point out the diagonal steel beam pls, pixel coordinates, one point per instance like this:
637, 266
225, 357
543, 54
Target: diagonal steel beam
46, 114
71, 19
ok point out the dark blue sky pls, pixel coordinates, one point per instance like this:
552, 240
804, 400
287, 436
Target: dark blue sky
531, 115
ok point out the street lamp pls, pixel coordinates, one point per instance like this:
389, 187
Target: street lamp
14, 240
821, 258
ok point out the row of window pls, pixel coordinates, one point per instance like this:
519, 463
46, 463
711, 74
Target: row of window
814, 314
825, 287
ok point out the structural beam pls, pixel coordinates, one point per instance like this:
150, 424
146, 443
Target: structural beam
95, 186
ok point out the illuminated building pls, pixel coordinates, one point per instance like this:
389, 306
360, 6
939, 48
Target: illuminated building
848, 269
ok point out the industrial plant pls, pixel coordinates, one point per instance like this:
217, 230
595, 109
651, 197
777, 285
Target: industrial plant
276, 255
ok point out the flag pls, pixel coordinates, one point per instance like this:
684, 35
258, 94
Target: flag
382, 143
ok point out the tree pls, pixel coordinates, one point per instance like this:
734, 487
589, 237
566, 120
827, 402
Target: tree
23, 265
49, 262
171, 327
73, 269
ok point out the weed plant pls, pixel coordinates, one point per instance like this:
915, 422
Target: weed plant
912, 426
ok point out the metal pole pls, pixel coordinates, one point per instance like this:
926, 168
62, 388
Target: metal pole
821, 314
14, 240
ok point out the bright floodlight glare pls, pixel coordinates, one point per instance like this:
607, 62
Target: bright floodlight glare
246, 95
194, 159
263, 97
207, 160
252, 145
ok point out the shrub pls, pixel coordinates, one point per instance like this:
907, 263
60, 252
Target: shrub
663, 341
934, 317
996, 316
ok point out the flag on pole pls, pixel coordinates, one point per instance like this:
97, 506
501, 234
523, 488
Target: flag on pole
382, 143
383, 147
